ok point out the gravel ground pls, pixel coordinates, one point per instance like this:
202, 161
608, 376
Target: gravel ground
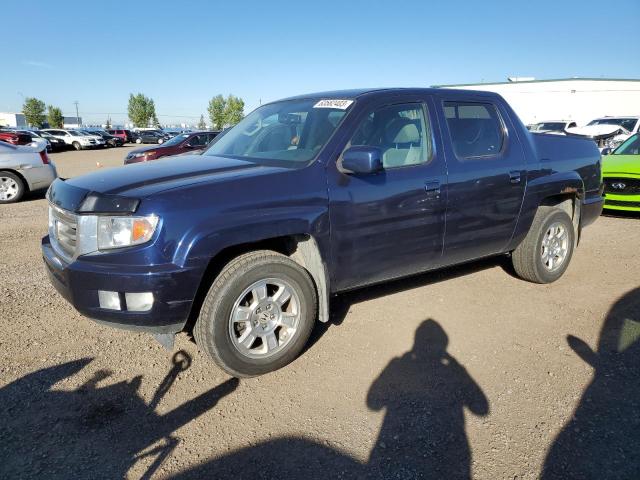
464, 372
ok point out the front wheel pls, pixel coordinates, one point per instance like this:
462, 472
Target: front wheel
77, 145
258, 314
545, 253
138, 140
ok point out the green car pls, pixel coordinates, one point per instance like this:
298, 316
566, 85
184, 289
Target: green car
621, 172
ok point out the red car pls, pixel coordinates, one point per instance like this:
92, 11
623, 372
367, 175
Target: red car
15, 138
183, 143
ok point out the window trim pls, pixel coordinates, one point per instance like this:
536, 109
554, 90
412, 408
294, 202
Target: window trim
503, 127
428, 123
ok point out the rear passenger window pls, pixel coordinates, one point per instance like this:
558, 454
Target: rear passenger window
400, 131
475, 129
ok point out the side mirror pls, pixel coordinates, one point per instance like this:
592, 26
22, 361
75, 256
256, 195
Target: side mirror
606, 151
362, 159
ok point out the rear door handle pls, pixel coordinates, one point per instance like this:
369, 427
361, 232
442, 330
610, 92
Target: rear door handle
514, 176
432, 188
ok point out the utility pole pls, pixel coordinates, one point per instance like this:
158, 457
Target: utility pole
77, 115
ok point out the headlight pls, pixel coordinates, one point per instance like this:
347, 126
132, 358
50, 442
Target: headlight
117, 232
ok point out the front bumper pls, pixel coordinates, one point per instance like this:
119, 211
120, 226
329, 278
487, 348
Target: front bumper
173, 287
629, 203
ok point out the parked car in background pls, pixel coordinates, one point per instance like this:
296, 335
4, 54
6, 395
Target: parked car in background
150, 136
75, 139
183, 143
608, 132
57, 145
24, 169
36, 138
100, 142
621, 172
552, 126
110, 140
15, 138
126, 135
311, 196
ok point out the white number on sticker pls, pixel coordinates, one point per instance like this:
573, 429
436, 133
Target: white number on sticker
341, 104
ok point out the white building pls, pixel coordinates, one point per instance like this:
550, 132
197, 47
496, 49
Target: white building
10, 119
72, 122
578, 99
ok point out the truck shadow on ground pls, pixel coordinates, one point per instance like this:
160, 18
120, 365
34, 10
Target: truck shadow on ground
602, 437
341, 304
94, 431
103, 431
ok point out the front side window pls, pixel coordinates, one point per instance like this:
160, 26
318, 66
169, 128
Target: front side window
291, 131
400, 131
475, 129
630, 147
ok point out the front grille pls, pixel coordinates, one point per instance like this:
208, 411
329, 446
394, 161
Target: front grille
63, 229
621, 203
622, 186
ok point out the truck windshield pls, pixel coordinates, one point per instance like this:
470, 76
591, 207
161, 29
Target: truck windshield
630, 147
291, 131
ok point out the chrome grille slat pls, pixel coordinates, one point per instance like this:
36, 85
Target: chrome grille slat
63, 231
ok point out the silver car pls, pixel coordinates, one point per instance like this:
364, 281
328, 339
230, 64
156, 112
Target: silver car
24, 169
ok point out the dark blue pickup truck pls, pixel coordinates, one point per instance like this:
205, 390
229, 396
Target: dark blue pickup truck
308, 197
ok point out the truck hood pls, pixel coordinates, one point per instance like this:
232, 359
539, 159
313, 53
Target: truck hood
598, 130
621, 164
144, 179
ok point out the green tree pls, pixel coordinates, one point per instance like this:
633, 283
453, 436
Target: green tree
234, 110
202, 124
142, 110
216, 111
55, 117
33, 110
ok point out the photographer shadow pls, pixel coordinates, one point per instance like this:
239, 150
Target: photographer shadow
424, 393
602, 437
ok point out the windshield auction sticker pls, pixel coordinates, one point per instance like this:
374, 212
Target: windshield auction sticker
341, 104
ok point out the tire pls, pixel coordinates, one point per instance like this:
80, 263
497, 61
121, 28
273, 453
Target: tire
222, 338
138, 140
77, 145
160, 141
12, 187
545, 253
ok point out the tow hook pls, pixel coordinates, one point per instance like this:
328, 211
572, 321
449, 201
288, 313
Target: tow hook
167, 340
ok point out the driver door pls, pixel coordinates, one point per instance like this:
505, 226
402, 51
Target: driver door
389, 224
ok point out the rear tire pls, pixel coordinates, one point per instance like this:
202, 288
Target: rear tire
545, 253
138, 140
258, 314
12, 187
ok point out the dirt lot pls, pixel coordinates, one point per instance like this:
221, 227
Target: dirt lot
464, 372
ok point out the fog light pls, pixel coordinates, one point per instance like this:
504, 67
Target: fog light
139, 302
109, 300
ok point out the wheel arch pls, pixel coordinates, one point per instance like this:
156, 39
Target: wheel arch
562, 189
27, 186
301, 248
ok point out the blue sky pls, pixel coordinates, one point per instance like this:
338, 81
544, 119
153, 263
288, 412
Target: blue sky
183, 53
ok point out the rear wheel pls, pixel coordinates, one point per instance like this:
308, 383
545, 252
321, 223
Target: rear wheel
12, 187
258, 314
545, 253
138, 140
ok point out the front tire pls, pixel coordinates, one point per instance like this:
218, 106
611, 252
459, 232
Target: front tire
138, 140
12, 187
258, 314
545, 253
77, 145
